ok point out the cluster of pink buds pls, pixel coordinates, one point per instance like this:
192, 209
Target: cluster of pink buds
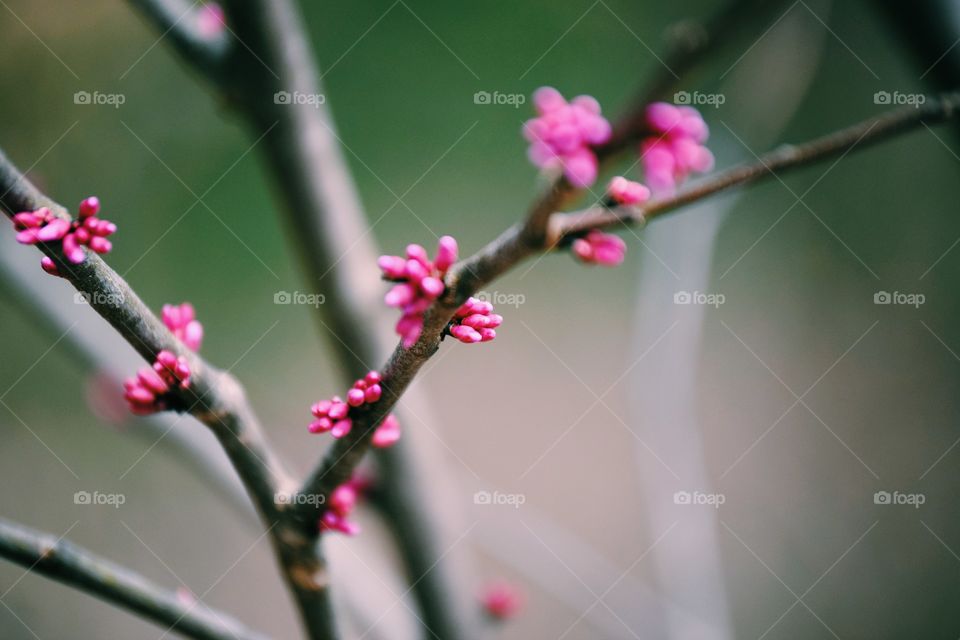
334, 415
501, 600
606, 249
677, 148
419, 282
342, 501
474, 321
182, 322
600, 248
88, 230
145, 392
564, 133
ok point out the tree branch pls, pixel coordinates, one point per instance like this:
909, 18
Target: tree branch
177, 20
65, 562
214, 398
516, 244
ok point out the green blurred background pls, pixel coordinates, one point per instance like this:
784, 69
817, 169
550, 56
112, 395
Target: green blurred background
401, 82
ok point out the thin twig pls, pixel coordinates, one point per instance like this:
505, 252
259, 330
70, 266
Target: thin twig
61, 560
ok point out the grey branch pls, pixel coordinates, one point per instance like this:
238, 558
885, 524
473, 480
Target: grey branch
61, 560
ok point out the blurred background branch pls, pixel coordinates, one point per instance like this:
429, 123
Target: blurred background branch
61, 560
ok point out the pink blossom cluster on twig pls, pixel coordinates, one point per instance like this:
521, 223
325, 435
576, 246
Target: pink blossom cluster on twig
563, 134
88, 230
419, 282
147, 392
333, 415
342, 502
676, 149
474, 321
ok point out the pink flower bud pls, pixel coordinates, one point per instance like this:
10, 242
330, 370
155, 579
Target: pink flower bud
28, 236
418, 253
387, 433
152, 381
446, 253
580, 168
663, 116
415, 270
373, 377
400, 295
341, 428
343, 499
355, 397
211, 20
100, 245
393, 267
432, 287
465, 334
547, 99
26, 220
193, 335
321, 409
338, 410
320, 425
627, 192
501, 600
89, 207
49, 266
140, 395
372, 394
72, 250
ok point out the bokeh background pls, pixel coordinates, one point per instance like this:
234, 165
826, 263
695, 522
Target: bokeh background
796, 400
